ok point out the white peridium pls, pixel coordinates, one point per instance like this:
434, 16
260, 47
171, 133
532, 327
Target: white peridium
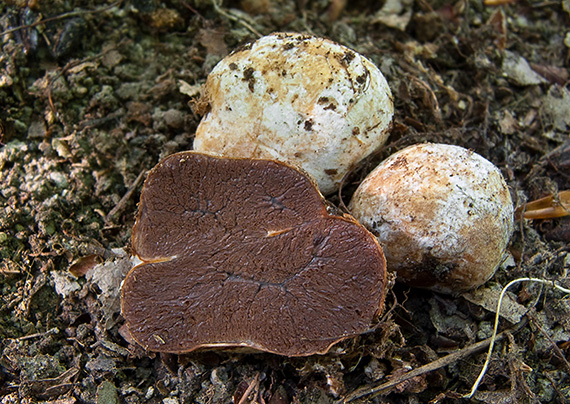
442, 214
297, 98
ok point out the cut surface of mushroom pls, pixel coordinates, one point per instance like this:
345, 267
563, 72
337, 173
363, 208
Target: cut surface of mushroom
442, 213
242, 253
300, 99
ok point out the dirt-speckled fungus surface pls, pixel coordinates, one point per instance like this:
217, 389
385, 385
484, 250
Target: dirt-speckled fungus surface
443, 214
300, 99
243, 253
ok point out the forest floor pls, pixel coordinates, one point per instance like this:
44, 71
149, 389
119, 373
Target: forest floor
93, 94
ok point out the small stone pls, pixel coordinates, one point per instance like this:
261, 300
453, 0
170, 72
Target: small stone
517, 69
107, 393
174, 118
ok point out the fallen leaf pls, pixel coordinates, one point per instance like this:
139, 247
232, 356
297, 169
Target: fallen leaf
488, 297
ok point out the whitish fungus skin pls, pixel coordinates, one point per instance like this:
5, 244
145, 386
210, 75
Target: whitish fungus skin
300, 99
443, 215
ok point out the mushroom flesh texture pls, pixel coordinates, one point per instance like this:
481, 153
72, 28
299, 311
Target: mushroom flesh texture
300, 99
443, 215
243, 253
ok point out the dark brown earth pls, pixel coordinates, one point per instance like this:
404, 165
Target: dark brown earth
94, 94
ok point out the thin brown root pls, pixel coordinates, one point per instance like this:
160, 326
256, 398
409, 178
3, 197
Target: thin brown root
218, 8
123, 202
555, 347
253, 385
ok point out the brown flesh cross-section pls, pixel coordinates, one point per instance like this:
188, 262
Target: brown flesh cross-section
242, 253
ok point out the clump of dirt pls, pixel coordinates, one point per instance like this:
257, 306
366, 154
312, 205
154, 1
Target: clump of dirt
94, 96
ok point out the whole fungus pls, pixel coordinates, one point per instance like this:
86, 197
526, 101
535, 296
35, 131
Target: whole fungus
443, 215
300, 99
243, 253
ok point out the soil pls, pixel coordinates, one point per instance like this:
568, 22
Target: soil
93, 94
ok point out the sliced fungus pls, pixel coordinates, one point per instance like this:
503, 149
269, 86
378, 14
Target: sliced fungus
242, 253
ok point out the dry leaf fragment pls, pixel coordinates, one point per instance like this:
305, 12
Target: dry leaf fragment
498, 21
487, 298
549, 207
189, 89
395, 14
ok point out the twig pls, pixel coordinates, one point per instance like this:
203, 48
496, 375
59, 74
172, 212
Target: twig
189, 7
555, 347
234, 18
39, 334
61, 17
121, 204
554, 386
430, 367
254, 383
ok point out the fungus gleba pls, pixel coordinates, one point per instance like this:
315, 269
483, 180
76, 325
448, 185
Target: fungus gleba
243, 253
238, 249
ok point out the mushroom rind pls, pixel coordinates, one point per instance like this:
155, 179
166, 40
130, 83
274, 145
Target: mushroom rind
442, 214
300, 99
